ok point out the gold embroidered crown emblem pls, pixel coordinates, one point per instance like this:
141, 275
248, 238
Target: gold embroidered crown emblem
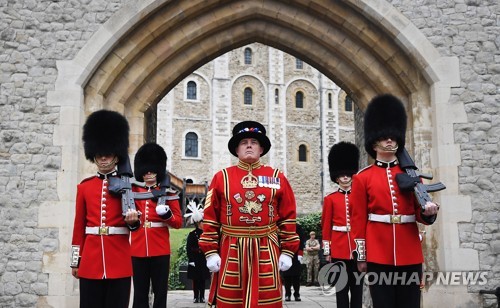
249, 181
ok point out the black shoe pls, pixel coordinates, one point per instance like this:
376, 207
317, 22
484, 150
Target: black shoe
297, 298
309, 284
287, 298
316, 284
202, 300
196, 300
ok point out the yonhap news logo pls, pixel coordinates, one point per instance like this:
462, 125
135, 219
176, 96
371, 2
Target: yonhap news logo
333, 278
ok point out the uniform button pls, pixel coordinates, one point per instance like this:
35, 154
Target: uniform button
103, 224
395, 211
348, 220
103, 212
103, 199
395, 204
393, 192
103, 205
103, 218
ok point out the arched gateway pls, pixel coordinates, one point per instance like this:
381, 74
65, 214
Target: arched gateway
366, 47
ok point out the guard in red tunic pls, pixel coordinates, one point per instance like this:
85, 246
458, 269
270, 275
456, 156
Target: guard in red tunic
151, 243
338, 242
384, 220
249, 231
100, 252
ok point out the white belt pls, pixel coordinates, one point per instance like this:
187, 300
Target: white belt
106, 230
154, 224
392, 219
341, 228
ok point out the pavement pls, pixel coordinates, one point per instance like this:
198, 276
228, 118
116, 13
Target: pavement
311, 297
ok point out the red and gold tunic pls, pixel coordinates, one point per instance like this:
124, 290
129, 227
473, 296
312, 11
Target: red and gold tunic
337, 215
102, 256
249, 219
375, 191
153, 237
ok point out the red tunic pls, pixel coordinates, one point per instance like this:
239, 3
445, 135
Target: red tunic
151, 242
102, 256
236, 200
389, 244
337, 212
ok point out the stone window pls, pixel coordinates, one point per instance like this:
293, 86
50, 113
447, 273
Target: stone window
191, 90
191, 145
248, 56
348, 103
329, 100
299, 64
248, 96
276, 96
299, 100
302, 153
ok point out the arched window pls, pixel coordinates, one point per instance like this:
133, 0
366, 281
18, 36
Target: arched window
348, 103
299, 100
191, 145
276, 96
248, 56
329, 100
302, 152
299, 64
247, 96
191, 90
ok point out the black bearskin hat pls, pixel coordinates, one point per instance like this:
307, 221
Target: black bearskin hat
150, 157
105, 133
385, 117
343, 159
249, 129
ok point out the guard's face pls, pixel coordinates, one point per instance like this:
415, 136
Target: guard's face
344, 180
105, 163
387, 144
150, 178
249, 150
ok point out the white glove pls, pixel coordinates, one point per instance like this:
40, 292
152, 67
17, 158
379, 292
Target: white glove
326, 248
213, 263
192, 264
164, 211
285, 262
300, 259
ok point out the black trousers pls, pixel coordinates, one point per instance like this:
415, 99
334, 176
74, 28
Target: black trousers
356, 289
288, 282
151, 271
395, 293
104, 293
199, 288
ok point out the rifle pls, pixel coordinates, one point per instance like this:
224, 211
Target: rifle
411, 180
123, 186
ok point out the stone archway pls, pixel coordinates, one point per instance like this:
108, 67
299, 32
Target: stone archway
366, 47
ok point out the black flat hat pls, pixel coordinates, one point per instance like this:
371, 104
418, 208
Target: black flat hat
249, 129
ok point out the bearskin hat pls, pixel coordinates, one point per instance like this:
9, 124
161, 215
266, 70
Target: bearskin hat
249, 129
105, 133
385, 116
343, 159
150, 157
